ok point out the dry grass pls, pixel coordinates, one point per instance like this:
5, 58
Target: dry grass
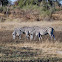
25, 50
11, 25
16, 50
31, 51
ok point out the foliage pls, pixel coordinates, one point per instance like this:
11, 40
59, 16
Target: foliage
22, 3
4, 2
47, 8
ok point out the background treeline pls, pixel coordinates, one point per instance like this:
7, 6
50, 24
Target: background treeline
4, 2
22, 3
39, 9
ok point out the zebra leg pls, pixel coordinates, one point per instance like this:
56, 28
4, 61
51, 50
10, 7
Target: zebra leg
53, 36
31, 37
39, 36
14, 36
27, 36
19, 36
50, 35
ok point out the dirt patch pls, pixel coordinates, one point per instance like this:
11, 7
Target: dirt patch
6, 36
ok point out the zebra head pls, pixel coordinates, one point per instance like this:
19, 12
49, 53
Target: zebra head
14, 34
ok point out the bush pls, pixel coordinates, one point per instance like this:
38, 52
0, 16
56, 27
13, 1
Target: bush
1, 9
23, 3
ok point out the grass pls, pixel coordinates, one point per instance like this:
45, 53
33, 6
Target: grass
30, 51
11, 25
25, 50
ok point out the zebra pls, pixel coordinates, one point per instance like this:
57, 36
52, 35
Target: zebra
39, 31
17, 32
27, 31
23, 30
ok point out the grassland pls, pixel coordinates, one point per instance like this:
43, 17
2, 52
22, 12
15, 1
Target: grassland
46, 50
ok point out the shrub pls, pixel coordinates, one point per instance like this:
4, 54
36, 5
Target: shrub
1, 9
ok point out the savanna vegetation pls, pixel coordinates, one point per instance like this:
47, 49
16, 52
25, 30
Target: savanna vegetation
31, 9
43, 13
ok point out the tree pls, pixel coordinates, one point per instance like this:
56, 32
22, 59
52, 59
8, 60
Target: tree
4, 2
22, 3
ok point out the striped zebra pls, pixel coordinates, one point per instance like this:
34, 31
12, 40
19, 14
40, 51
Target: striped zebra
39, 31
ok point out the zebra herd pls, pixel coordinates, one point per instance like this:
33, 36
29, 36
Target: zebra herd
33, 32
